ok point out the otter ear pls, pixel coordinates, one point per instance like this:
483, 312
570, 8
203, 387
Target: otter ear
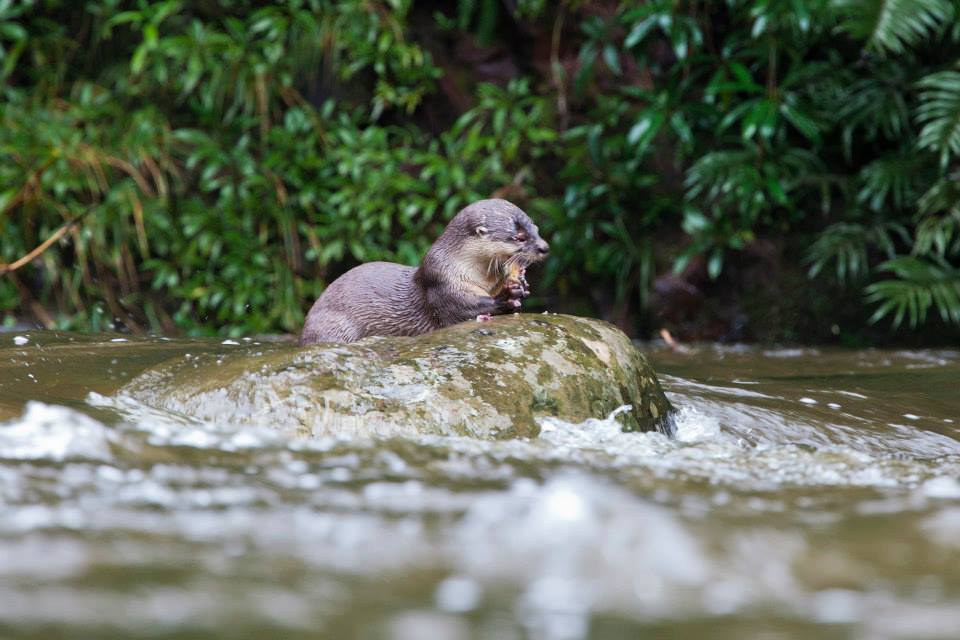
481, 230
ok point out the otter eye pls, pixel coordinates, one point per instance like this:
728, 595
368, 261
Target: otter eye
481, 231
521, 236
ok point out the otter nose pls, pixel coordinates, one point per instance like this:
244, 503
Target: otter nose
542, 247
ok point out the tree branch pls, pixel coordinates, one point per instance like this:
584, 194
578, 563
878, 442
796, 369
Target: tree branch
39, 249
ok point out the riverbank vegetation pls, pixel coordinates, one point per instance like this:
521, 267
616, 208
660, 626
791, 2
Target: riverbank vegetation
769, 169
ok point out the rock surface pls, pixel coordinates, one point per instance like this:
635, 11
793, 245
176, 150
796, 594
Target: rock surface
484, 380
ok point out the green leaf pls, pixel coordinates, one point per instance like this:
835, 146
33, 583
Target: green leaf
640, 31
741, 73
164, 10
803, 123
612, 57
892, 26
920, 285
761, 120
735, 114
775, 189
680, 126
695, 222
939, 114
139, 59
715, 263
643, 127
5, 198
124, 17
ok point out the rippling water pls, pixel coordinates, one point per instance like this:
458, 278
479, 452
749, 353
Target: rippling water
808, 494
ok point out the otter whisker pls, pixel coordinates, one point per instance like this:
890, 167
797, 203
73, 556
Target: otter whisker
494, 267
514, 261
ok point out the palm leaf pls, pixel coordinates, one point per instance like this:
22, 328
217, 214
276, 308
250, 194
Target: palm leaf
939, 114
848, 244
874, 107
920, 284
892, 26
891, 181
938, 235
943, 195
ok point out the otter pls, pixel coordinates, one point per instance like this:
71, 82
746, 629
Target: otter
475, 269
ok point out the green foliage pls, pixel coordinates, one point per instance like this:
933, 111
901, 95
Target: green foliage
921, 284
774, 120
216, 164
939, 114
894, 26
848, 246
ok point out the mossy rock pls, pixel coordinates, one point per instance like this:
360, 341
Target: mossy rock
484, 380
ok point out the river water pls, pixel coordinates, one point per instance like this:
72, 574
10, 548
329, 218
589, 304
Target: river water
808, 493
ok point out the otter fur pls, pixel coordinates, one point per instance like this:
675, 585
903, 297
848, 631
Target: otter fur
475, 269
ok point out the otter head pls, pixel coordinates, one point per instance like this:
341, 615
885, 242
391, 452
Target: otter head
499, 237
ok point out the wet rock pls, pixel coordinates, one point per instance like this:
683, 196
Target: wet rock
490, 380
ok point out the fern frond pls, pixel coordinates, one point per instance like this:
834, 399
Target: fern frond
890, 181
748, 180
938, 235
892, 26
920, 284
848, 244
720, 172
939, 114
943, 195
875, 105
938, 230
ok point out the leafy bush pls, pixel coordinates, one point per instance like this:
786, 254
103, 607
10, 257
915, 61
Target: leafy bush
210, 167
780, 125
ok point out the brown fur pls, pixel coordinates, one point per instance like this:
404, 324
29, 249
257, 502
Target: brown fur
472, 269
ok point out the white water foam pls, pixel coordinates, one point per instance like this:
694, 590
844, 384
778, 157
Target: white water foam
759, 453
701, 447
167, 428
50, 432
576, 544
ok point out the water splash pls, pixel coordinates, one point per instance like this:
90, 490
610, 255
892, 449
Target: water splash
48, 432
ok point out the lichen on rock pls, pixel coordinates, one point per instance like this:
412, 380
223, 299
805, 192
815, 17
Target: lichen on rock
486, 380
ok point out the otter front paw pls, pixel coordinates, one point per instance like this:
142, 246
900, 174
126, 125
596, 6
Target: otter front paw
509, 299
515, 289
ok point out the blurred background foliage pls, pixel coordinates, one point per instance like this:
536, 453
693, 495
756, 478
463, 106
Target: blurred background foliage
769, 169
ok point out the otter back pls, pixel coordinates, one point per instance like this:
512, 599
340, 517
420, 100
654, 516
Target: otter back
374, 299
